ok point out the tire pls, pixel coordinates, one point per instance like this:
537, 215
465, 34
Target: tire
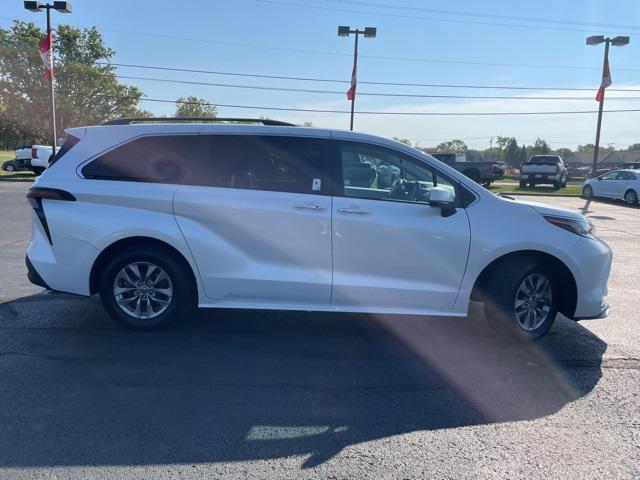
523, 184
9, 168
587, 191
556, 185
37, 170
563, 183
631, 197
513, 307
168, 282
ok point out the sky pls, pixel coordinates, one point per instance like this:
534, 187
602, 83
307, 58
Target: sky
458, 42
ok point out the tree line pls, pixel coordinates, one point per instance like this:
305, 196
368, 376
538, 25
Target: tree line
87, 89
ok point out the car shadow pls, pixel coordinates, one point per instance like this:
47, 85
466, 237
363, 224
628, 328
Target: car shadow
244, 385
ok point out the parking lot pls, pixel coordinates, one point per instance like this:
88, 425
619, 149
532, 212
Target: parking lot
256, 394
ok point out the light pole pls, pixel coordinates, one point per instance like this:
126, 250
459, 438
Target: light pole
345, 31
619, 41
62, 7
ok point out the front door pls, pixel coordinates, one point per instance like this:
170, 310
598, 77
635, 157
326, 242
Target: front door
391, 249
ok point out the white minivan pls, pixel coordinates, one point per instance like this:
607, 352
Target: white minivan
161, 216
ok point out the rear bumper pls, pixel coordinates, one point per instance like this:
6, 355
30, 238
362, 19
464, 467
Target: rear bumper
33, 275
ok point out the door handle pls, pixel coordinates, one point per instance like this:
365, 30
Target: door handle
309, 206
356, 210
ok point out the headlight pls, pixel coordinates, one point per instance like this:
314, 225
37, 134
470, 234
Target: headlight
583, 228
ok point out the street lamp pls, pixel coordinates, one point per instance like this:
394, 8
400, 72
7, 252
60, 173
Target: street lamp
594, 40
345, 31
61, 7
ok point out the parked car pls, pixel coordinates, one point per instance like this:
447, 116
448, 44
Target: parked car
159, 218
14, 165
629, 166
40, 157
616, 184
544, 169
481, 172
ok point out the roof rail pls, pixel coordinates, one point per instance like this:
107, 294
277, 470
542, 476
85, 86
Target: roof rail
129, 121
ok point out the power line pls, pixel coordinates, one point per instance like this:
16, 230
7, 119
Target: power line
430, 19
370, 94
333, 80
368, 112
486, 15
374, 57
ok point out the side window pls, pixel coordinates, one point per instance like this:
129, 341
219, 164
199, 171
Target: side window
609, 176
158, 159
276, 163
626, 176
379, 173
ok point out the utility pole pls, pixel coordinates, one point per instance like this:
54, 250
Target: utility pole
62, 7
345, 31
606, 76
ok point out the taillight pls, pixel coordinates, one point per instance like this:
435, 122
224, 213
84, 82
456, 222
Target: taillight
35, 195
34, 153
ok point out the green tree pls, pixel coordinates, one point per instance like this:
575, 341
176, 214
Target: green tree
195, 107
454, 145
406, 141
512, 153
564, 152
87, 90
540, 147
523, 155
634, 146
590, 147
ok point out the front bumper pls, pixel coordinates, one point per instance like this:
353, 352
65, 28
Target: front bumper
591, 259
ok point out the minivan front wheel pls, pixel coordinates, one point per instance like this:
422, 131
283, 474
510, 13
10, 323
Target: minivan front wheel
145, 290
520, 299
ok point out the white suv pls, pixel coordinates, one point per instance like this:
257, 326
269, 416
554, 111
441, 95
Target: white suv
161, 217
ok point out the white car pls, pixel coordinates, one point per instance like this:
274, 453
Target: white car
159, 218
617, 184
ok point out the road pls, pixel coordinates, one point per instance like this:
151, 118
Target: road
235, 394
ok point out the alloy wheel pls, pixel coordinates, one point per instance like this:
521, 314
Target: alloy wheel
631, 197
533, 302
143, 290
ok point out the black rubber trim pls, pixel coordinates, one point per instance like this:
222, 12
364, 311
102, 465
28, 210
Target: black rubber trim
64, 195
33, 276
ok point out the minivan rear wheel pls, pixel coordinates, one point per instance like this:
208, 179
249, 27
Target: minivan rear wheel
146, 289
520, 299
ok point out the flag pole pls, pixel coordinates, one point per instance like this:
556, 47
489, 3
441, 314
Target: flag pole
51, 84
597, 145
355, 66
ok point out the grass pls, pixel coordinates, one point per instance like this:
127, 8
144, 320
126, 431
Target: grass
573, 188
24, 175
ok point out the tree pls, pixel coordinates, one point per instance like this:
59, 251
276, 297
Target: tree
406, 141
634, 146
512, 153
564, 152
454, 145
87, 90
590, 147
195, 107
523, 155
540, 147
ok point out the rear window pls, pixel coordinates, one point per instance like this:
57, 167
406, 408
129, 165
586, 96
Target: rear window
157, 159
69, 143
277, 163
544, 160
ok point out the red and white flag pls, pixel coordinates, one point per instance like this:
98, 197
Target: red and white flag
606, 81
351, 93
46, 52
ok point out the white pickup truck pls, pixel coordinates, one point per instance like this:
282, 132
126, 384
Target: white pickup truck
37, 156
540, 169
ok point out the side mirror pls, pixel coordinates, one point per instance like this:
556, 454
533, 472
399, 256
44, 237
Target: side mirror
443, 199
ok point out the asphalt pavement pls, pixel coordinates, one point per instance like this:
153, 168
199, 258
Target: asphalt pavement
257, 394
